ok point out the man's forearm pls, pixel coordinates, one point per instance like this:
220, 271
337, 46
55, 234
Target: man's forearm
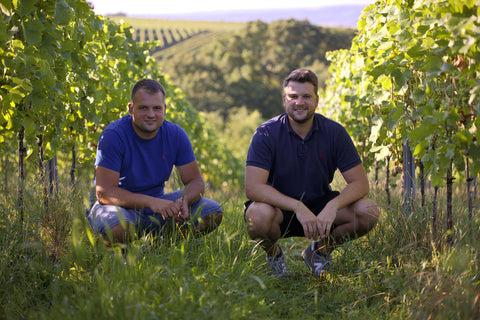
267, 194
193, 191
350, 194
123, 198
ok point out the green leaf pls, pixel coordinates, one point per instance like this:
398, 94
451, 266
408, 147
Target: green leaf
376, 130
24, 7
416, 51
433, 66
405, 36
63, 13
386, 83
377, 71
448, 68
421, 132
32, 30
393, 27
420, 148
422, 29
6, 6
400, 77
3, 33
395, 116
418, 95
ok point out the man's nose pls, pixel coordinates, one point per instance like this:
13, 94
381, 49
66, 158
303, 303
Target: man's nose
150, 112
299, 101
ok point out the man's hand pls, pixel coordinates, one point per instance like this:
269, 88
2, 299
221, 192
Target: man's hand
325, 220
166, 208
308, 220
184, 214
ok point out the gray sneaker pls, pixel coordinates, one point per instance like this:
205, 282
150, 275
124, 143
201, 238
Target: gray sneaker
317, 262
277, 264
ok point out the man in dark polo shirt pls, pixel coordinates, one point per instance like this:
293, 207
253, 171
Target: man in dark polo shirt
290, 165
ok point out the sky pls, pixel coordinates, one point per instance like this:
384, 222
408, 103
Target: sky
153, 7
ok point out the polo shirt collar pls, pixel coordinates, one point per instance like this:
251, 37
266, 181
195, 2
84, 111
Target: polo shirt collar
315, 126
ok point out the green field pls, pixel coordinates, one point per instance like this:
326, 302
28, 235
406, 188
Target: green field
177, 37
149, 23
185, 35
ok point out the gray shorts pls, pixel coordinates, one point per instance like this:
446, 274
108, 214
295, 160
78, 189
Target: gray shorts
104, 217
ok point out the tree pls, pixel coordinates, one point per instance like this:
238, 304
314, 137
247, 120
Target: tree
248, 67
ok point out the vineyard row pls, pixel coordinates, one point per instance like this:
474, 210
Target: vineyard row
165, 38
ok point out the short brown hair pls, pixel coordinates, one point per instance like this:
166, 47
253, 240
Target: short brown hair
149, 85
302, 75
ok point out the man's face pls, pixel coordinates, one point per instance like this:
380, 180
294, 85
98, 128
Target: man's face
300, 101
148, 112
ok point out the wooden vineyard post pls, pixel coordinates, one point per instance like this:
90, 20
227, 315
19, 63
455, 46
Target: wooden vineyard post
469, 186
52, 175
21, 174
387, 180
408, 179
449, 203
72, 168
434, 212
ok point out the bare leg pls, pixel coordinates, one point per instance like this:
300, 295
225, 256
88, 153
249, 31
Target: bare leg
119, 234
351, 222
263, 222
208, 224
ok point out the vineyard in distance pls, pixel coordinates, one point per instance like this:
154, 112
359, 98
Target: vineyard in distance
186, 36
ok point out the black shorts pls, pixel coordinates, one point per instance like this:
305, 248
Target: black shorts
290, 226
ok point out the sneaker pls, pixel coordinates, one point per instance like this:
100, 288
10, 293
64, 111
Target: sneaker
317, 262
277, 264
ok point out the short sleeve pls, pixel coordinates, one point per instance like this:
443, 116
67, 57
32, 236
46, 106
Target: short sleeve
109, 151
185, 153
347, 154
260, 153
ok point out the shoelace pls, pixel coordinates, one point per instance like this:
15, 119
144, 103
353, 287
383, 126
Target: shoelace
276, 264
320, 267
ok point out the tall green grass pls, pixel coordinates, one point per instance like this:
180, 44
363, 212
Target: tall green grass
397, 271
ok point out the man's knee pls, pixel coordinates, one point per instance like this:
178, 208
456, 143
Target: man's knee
120, 233
367, 213
259, 218
212, 221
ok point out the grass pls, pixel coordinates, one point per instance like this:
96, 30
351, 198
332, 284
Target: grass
397, 271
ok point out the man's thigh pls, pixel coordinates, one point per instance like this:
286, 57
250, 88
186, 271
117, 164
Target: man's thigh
105, 217
288, 223
362, 212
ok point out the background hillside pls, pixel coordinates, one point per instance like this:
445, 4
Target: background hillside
225, 65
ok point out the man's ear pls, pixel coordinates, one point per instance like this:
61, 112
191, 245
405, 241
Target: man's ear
130, 108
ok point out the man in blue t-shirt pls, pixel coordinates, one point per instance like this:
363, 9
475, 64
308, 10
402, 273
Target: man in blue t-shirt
290, 164
135, 156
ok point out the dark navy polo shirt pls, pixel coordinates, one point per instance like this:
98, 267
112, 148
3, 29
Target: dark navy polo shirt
302, 168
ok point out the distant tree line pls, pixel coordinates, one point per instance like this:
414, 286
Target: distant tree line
246, 69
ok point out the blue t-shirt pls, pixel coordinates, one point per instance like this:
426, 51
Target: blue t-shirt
144, 164
302, 168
